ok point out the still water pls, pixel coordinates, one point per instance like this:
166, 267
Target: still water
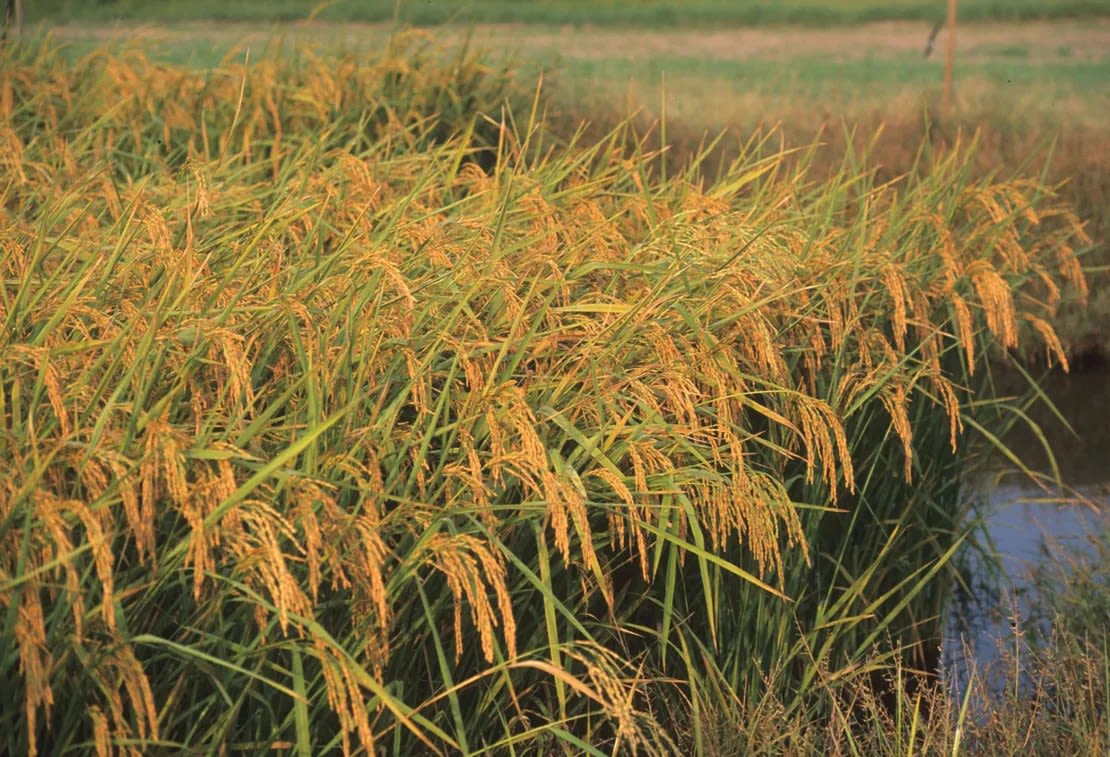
1027, 526
1030, 525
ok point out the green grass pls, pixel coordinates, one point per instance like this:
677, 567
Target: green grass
605, 12
830, 82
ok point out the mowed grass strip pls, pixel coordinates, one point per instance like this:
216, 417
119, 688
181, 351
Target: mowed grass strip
342, 408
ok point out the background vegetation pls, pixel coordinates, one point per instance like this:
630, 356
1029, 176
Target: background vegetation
606, 12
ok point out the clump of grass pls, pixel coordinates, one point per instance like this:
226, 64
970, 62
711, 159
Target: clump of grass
329, 423
159, 117
1046, 698
1070, 589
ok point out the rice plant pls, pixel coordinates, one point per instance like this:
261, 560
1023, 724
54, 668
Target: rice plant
343, 408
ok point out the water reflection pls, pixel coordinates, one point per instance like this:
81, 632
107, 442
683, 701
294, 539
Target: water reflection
1028, 525
995, 611
1082, 447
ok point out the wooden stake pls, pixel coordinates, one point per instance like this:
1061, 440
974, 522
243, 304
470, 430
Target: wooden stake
950, 58
13, 19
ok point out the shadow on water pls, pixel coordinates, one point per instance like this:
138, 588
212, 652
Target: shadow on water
1027, 525
1083, 399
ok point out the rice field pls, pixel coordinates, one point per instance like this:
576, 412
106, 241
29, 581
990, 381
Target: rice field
347, 405
1035, 92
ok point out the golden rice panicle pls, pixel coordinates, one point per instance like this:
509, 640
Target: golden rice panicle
257, 546
469, 567
896, 286
371, 568
98, 536
1053, 291
996, 300
838, 320
1000, 229
199, 554
35, 659
1067, 232
925, 333
825, 442
11, 154
305, 497
572, 499
58, 548
756, 509
529, 456
162, 473
604, 683
964, 330
212, 485
39, 358
344, 696
7, 95
102, 735
1054, 349
947, 250
232, 354
947, 393
896, 400
620, 518
126, 676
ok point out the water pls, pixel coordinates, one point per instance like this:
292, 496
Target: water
1027, 526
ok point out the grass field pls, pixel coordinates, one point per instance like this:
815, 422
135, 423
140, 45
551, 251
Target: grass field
1049, 61
558, 12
